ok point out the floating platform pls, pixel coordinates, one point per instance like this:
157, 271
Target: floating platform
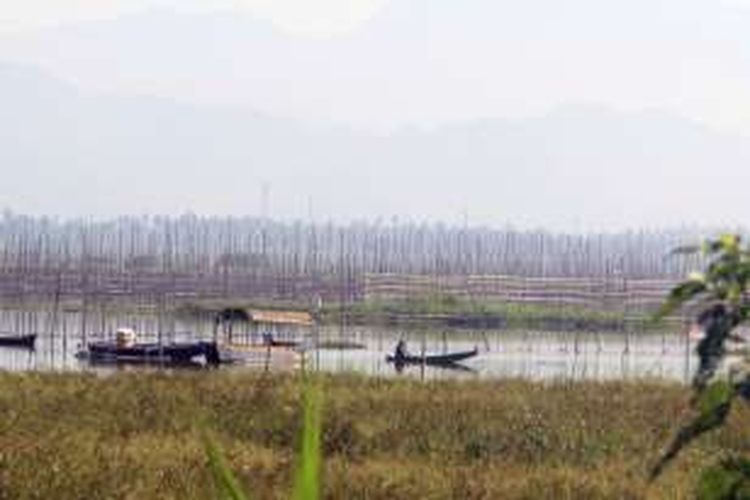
258, 355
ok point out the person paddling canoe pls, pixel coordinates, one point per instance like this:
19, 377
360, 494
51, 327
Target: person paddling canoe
401, 352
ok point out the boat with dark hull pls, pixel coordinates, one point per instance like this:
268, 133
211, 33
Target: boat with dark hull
446, 359
289, 344
181, 353
18, 341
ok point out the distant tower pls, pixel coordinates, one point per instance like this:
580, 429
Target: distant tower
265, 194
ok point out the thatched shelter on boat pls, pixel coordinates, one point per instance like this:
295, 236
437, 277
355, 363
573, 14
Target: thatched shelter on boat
276, 327
296, 318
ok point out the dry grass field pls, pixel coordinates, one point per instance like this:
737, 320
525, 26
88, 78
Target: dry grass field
139, 435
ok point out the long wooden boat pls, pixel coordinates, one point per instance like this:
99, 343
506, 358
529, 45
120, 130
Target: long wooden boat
339, 345
22, 341
175, 353
432, 359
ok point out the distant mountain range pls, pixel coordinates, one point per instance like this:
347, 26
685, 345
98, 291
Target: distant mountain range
65, 151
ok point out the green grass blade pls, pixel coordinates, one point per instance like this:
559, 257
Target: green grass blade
307, 484
226, 482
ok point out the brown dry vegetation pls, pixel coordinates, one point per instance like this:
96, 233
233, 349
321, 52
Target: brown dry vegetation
139, 436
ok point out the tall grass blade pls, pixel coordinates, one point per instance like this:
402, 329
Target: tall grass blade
226, 482
307, 483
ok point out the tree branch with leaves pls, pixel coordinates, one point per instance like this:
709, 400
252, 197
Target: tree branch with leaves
721, 298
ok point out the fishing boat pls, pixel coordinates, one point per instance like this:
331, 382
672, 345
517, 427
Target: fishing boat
22, 341
268, 338
432, 359
125, 349
153, 353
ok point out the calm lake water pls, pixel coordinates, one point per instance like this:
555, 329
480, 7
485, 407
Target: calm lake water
537, 355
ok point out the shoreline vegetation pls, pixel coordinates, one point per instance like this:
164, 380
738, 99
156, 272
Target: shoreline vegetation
430, 311
454, 312
139, 435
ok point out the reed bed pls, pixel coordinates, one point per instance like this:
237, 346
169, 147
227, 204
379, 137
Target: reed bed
140, 435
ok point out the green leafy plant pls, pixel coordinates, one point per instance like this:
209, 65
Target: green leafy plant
728, 479
720, 297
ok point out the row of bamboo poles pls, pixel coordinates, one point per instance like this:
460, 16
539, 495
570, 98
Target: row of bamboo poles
162, 261
612, 293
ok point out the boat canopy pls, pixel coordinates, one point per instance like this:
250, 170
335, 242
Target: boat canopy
268, 317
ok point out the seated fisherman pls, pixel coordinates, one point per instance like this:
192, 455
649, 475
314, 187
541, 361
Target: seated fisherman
401, 351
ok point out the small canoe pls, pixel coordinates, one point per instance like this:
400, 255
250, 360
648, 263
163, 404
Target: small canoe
22, 341
432, 359
291, 344
175, 353
340, 345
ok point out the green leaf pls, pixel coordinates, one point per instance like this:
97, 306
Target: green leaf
225, 480
713, 407
307, 484
729, 479
713, 397
679, 295
730, 242
734, 293
697, 277
726, 243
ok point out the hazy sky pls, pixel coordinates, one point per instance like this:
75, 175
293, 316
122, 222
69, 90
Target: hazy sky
377, 62
396, 67
316, 18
